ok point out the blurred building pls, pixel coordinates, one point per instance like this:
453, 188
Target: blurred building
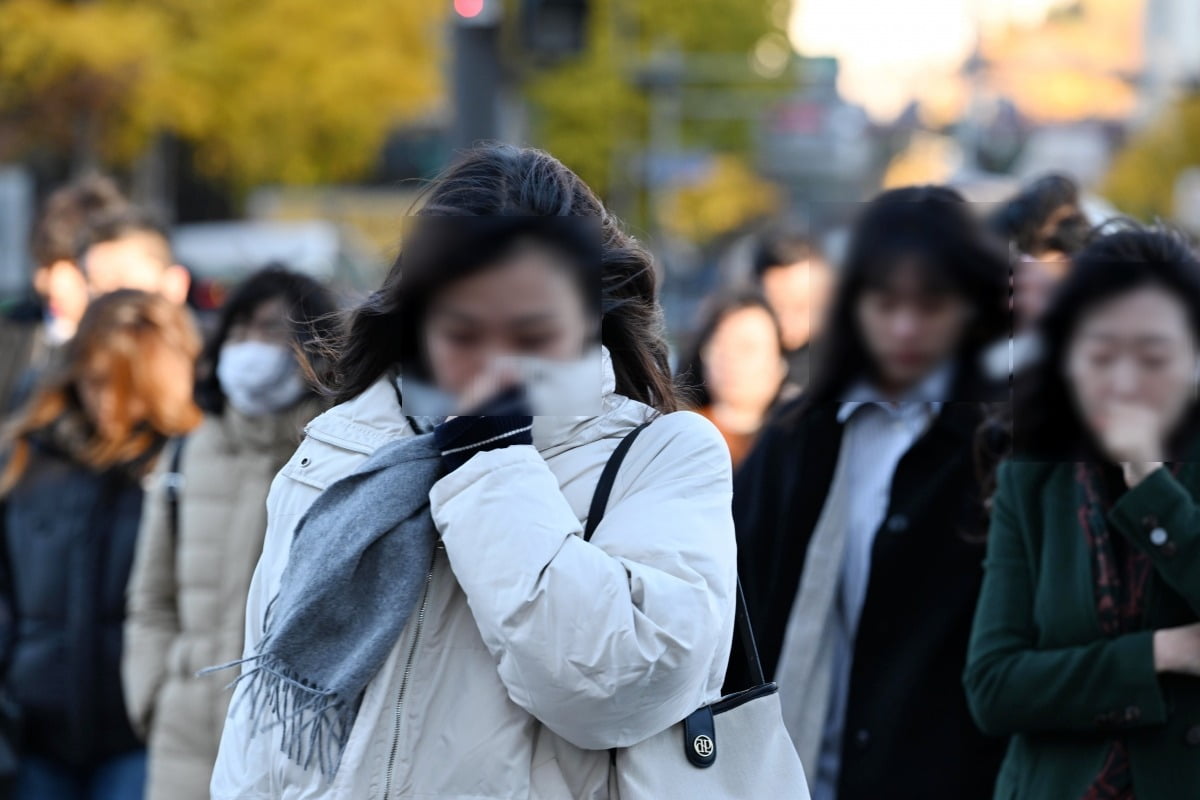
818, 146
1171, 35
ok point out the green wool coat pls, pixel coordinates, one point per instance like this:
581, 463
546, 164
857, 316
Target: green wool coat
1040, 670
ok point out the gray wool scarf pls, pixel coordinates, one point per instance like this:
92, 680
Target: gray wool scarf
355, 573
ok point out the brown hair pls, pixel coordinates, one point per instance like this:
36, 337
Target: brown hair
67, 215
125, 336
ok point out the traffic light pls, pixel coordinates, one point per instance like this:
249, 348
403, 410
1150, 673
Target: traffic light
478, 13
553, 29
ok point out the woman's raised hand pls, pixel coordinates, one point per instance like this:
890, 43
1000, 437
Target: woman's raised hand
1178, 650
1133, 436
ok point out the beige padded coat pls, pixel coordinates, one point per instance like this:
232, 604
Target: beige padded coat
533, 652
187, 596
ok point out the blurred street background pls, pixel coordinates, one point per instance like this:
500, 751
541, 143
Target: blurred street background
300, 130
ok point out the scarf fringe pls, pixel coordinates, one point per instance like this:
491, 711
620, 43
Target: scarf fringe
314, 723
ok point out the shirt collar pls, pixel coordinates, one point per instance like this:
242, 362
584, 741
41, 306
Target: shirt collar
930, 392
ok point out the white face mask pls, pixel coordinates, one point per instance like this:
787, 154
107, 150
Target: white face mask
259, 378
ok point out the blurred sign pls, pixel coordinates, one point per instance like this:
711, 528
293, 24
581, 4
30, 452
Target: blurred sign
797, 118
16, 219
678, 169
1187, 199
478, 13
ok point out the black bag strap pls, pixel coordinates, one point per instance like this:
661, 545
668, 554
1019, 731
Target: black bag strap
174, 483
607, 478
745, 630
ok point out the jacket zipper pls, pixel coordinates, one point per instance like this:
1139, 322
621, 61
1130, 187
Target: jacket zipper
412, 652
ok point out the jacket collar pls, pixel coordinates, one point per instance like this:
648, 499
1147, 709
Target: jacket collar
930, 391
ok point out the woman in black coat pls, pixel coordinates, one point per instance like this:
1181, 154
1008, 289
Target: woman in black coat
858, 515
72, 498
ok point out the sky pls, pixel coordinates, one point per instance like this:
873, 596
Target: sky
893, 50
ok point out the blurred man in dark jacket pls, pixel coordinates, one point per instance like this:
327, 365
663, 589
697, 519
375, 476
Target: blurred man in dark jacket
31, 330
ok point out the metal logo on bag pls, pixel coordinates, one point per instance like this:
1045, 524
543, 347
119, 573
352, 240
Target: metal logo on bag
703, 746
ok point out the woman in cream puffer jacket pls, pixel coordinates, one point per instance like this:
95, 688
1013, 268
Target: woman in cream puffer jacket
531, 652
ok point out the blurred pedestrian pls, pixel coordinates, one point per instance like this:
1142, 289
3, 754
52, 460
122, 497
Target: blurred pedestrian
1044, 226
1086, 644
797, 282
72, 497
858, 517
130, 248
485, 649
1043, 209
202, 528
31, 332
736, 368
1038, 273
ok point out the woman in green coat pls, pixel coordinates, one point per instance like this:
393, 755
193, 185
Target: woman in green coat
1086, 642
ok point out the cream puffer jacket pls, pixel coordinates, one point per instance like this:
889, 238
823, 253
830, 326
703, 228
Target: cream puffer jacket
187, 591
533, 652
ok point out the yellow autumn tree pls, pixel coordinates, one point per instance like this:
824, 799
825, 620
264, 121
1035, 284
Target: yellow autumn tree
726, 198
1072, 65
1142, 179
292, 91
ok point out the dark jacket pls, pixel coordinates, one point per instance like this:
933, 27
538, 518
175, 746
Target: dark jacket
909, 735
24, 351
1040, 669
69, 536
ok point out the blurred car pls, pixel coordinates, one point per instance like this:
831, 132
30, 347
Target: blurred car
220, 254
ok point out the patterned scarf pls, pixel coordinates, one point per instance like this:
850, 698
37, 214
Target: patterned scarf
1122, 573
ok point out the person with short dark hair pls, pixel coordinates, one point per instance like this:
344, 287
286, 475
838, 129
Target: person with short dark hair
204, 520
31, 332
130, 248
1044, 226
797, 281
1038, 212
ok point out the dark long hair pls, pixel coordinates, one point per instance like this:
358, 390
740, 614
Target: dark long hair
1128, 257
511, 186
311, 316
692, 369
933, 228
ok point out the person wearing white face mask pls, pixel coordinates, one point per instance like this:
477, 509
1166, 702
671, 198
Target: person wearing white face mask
258, 377
202, 528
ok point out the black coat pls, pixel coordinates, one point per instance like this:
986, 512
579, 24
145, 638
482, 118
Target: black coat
909, 735
69, 537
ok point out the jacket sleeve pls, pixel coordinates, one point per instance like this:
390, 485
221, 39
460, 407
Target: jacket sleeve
1162, 519
611, 641
152, 619
1014, 687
